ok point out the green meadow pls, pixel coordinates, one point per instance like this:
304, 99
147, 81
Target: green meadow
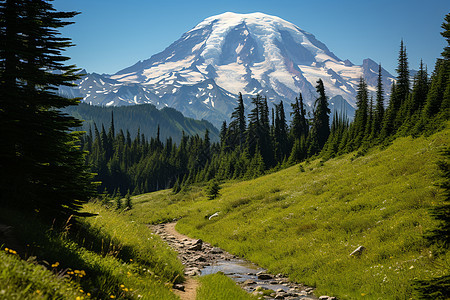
305, 221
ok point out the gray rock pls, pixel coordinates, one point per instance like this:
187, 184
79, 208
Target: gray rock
264, 276
197, 246
249, 282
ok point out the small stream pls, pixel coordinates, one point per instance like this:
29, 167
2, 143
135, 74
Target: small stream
241, 271
201, 259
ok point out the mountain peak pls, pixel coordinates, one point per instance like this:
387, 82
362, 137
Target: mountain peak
202, 73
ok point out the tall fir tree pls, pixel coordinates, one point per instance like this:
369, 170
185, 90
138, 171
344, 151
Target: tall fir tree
360, 122
238, 123
42, 167
379, 106
402, 88
320, 129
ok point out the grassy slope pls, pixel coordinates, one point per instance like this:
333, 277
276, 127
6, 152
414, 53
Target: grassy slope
108, 257
306, 224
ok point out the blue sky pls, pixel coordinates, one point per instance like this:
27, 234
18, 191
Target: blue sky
111, 35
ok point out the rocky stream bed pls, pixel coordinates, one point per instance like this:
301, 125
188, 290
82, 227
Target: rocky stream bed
200, 258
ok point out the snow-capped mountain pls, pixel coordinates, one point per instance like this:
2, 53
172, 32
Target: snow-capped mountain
202, 73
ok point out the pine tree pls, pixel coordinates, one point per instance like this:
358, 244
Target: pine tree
128, 203
280, 133
42, 167
388, 127
402, 88
419, 91
213, 190
360, 123
238, 123
320, 129
379, 107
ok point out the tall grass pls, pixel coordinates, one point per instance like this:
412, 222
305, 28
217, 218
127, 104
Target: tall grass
305, 221
107, 256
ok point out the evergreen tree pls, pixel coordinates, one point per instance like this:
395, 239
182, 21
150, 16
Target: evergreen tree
128, 203
213, 190
388, 128
402, 74
419, 91
238, 123
280, 133
42, 167
360, 122
379, 107
402, 88
320, 129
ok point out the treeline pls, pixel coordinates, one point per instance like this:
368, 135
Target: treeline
125, 165
249, 146
145, 117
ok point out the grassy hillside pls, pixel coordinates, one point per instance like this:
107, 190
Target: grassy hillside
106, 257
305, 221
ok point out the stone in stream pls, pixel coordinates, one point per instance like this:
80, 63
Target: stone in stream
249, 282
197, 246
264, 276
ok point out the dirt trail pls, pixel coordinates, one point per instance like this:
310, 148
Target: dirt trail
194, 254
190, 289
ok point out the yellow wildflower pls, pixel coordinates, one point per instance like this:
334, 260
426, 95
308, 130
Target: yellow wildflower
112, 296
55, 264
122, 286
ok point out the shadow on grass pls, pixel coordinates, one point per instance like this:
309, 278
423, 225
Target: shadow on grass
66, 245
